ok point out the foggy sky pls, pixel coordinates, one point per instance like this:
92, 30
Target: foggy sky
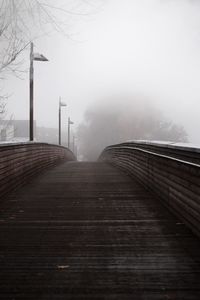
150, 47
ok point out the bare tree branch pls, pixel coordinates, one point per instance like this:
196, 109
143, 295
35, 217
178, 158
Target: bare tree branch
22, 21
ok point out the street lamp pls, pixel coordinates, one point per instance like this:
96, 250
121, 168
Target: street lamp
38, 57
61, 104
69, 124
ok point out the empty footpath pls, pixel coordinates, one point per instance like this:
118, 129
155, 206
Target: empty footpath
86, 230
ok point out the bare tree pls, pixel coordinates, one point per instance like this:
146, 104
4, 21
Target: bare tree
6, 129
22, 21
17, 29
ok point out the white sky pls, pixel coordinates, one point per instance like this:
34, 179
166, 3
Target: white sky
150, 47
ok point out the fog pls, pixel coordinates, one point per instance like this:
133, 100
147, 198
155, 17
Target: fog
117, 50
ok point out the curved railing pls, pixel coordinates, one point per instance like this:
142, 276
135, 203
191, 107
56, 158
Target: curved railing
20, 161
170, 171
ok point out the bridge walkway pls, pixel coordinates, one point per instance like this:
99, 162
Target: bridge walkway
88, 231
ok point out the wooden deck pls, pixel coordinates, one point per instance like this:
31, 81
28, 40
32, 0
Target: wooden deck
87, 231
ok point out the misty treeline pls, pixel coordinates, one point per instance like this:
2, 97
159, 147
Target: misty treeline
119, 121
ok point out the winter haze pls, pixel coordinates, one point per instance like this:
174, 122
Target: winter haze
117, 60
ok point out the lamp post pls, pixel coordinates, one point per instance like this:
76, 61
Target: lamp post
61, 104
38, 57
69, 124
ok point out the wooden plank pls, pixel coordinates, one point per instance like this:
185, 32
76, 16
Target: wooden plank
88, 231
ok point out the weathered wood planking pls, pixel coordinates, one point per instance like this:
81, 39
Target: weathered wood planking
19, 162
173, 178
87, 231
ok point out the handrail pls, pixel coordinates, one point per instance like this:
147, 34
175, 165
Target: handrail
187, 151
166, 144
174, 176
159, 155
21, 161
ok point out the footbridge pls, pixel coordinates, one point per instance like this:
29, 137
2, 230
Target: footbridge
124, 227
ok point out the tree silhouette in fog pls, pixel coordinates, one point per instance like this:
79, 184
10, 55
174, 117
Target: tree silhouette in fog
112, 123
